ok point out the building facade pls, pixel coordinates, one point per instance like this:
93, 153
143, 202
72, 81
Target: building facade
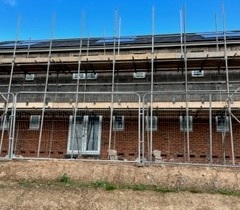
89, 97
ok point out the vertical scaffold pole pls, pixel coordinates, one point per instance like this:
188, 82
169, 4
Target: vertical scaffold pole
228, 87
46, 87
210, 130
186, 82
216, 32
151, 102
4, 119
73, 132
181, 31
113, 85
119, 34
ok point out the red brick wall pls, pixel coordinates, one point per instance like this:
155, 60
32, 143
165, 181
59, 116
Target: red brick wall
168, 138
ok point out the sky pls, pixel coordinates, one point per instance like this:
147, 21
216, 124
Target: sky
59, 19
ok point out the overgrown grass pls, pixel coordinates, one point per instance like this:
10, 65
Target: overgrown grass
139, 187
227, 192
103, 185
26, 183
65, 181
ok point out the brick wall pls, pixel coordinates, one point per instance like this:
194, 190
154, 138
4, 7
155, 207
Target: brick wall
168, 138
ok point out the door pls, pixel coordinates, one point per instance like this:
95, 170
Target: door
85, 136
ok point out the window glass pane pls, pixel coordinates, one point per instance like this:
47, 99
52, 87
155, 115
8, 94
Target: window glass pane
92, 134
118, 123
148, 123
34, 122
183, 123
85, 136
222, 123
3, 124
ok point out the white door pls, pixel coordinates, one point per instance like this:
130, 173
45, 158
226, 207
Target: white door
87, 136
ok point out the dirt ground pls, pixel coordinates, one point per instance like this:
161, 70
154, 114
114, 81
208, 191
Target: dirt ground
181, 178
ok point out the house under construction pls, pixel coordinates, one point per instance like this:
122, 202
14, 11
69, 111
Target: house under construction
171, 98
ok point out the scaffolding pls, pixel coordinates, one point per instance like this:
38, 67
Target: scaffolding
143, 93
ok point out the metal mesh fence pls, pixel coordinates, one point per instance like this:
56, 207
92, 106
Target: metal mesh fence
6, 124
124, 126
193, 131
67, 125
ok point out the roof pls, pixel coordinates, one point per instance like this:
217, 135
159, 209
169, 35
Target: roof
129, 40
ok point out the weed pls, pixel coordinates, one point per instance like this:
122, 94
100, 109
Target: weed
25, 183
110, 186
65, 179
164, 190
139, 187
228, 192
103, 185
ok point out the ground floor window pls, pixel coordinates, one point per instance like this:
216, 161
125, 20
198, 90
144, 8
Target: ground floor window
148, 123
222, 123
4, 122
34, 122
183, 123
84, 135
118, 123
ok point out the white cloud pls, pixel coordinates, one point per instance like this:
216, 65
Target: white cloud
11, 3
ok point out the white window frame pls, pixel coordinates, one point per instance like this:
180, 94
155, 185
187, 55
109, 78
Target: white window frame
154, 123
6, 125
222, 128
183, 124
34, 126
83, 142
118, 123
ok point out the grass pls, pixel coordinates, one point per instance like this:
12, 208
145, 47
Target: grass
26, 183
103, 185
65, 181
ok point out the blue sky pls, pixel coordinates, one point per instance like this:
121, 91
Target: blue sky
96, 18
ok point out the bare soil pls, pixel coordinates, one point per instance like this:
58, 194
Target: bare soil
18, 192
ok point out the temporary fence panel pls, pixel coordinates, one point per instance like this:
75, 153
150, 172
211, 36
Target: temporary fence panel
6, 124
78, 125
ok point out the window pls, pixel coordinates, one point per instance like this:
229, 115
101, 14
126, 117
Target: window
222, 123
148, 123
4, 125
118, 123
85, 76
85, 136
34, 122
183, 123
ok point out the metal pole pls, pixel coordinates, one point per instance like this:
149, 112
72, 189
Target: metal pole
228, 88
113, 84
29, 45
181, 31
186, 82
210, 130
104, 43
119, 35
88, 45
46, 86
73, 134
14, 122
139, 128
216, 29
4, 121
143, 128
152, 67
